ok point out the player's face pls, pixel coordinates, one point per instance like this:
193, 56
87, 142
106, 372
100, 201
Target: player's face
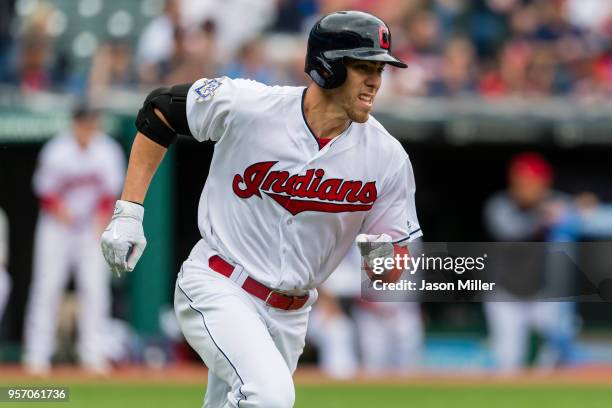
528, 191
85, 129
357, 94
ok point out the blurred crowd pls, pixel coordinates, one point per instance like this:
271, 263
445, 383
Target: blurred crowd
490, 48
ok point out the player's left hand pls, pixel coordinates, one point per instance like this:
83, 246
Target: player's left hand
123, 241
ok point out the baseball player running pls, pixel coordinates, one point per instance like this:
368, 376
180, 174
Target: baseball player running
296, 175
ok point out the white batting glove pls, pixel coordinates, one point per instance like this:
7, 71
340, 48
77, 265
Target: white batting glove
375, 246
123, 241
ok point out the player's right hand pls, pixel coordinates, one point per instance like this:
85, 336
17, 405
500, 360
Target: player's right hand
375, 246
123, 241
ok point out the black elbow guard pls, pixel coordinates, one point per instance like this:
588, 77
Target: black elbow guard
171, 102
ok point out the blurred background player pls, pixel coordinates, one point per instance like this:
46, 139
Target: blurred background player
78, 177
352, 334
391, 336
5, 280
530, 211
331, 328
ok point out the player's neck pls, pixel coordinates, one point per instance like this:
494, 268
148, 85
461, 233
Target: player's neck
325, 118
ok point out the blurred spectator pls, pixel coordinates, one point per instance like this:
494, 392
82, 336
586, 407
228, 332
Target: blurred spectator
458, 71
452, 15
542, 74
157, 42
588, 14
177, 62
554, 24
422, 54
602, 70
291, 64
595, 217
391, 11
194, 55
292, 13
5, 279
492, 48
530, 210
487, 24
32, 71
78, 178
251, 63
7, 13
112, 67
524, 22
509, 75
32, 64
237, 21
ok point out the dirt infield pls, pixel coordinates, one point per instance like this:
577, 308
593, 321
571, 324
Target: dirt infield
196, 374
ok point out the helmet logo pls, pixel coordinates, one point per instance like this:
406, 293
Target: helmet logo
384, 37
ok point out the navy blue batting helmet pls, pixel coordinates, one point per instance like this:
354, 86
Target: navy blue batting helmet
346, 34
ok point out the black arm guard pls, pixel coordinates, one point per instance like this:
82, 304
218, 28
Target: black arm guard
172, 103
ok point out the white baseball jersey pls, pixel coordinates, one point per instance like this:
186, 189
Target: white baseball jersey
83, 179
278, 204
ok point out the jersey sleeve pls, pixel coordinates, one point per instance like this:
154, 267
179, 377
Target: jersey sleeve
394, 212
47, 176
111, 175
115, 170
209, 108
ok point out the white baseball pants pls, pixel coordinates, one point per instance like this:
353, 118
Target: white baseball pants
510, 324
59, 250
391, 336
251, 349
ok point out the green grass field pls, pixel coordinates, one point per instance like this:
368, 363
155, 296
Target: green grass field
113, 394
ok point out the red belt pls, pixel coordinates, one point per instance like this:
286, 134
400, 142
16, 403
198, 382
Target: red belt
270, 296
